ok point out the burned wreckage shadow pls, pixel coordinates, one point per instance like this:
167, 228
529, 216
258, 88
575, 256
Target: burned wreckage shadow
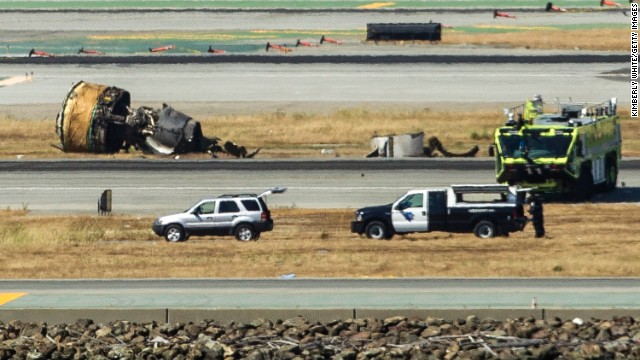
621, 194
98, 119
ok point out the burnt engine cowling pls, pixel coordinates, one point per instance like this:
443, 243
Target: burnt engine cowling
98, 119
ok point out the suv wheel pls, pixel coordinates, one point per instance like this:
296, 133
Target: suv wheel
174, 233
244, 232
485, 229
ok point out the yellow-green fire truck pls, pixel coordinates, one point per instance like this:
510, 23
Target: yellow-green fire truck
570, 154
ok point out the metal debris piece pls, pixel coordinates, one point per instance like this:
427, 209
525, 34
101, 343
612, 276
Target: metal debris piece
412, 145
98, 119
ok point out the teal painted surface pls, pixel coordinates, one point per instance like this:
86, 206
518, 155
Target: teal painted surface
197, 43
285, 4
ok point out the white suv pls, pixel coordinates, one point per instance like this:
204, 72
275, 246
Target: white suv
243, 215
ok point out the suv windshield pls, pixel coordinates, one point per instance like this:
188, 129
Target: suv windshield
534, 146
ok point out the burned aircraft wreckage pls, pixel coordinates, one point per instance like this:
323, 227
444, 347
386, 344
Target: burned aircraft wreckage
98, 119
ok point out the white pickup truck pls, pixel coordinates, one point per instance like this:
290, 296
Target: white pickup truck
485, 210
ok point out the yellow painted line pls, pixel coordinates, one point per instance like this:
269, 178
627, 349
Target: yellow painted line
508, 27
376, 5
6, 297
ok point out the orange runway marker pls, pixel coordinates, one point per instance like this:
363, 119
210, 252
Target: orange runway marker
608, 3
324, 39
215, 51
497, 13
39, 53
305, 43
282, 48
551, 7
8, 297
90, 52
162, 48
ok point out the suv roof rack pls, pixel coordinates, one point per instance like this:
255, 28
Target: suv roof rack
237, 195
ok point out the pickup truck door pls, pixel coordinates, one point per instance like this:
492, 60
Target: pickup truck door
437, 210
409, 213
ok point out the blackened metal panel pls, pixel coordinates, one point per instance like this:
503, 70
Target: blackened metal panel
410, 31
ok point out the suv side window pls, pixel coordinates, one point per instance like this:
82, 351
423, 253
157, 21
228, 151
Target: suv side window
228, 206
207, 207
251, 205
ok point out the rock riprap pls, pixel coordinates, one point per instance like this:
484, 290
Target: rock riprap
297, 338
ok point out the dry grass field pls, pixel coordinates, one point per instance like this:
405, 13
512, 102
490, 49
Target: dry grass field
541, 38
283, 134
583, 240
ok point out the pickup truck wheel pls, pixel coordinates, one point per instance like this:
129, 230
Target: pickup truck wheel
244, 232
377, 230
174, 233
485, 229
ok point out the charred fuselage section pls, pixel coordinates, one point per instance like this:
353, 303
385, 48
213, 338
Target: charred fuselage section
98, 119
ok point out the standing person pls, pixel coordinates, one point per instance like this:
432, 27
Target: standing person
537, 217
532, 108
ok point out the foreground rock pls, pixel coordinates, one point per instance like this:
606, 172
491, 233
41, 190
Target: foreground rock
297, 338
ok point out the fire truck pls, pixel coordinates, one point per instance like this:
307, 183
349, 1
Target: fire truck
569, 154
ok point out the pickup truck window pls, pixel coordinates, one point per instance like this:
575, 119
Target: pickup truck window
480, 197
411, 201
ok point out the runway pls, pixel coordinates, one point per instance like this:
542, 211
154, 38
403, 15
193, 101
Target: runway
406, 293
162, 187
326, 85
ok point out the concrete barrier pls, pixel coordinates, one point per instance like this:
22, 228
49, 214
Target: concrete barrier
68, 316
450, 314
586, 314
247, 315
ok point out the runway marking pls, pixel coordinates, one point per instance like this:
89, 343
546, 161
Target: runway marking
507, 27
7, 297
376, 5
14, 80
